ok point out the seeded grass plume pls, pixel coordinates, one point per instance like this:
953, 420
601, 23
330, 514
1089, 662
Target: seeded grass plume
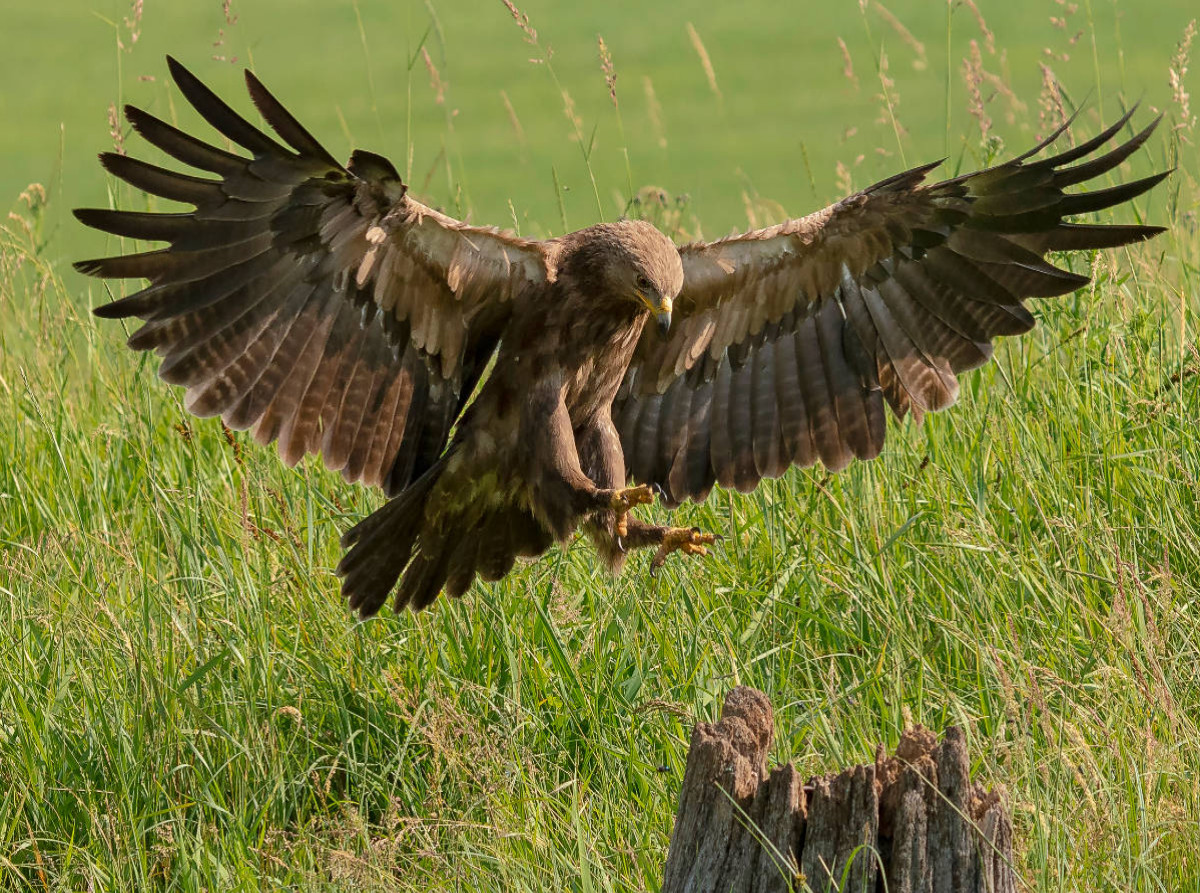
185, 705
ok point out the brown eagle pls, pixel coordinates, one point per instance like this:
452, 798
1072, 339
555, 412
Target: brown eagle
504, 391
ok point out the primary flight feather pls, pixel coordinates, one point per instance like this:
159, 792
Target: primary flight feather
324, 307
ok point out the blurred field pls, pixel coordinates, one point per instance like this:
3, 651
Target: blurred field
777, 66
184, 703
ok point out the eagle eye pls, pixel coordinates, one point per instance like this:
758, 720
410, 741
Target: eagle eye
643, 283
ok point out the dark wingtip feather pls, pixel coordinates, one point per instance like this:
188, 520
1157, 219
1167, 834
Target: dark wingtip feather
135, 224
161, 181
285, 124
219, 114
139, 119
88, 217
1098, 199
1053, 285
1106, 162
181, 74
1144, 233
1057, 132
908, 178
183, 146
87, 267
183, 77
1089, 237
111, 310
1089, 146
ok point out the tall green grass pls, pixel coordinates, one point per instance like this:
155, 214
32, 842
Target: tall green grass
185, 704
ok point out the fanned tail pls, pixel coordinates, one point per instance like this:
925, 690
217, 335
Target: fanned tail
382, 544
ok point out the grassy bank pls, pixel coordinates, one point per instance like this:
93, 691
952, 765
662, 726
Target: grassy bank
184, 703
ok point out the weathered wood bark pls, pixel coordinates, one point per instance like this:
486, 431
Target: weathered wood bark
914, 820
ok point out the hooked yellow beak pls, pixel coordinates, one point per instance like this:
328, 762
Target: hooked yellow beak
662, 315
664, 322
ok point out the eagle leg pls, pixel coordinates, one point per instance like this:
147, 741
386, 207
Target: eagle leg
622, 501
688, 540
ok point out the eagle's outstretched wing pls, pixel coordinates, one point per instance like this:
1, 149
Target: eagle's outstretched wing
318, 303
787, 340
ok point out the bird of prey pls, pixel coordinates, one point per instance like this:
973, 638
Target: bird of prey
506, 392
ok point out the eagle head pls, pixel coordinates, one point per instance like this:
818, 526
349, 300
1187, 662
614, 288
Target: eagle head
628, 263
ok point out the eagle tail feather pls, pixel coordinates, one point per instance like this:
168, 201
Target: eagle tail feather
381, 545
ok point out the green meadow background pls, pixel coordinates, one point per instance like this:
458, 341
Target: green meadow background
355, 76
186, 705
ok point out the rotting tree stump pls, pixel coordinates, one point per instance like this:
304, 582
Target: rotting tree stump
914, 819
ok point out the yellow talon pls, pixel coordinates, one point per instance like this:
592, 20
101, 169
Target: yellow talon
626, 499
688, 540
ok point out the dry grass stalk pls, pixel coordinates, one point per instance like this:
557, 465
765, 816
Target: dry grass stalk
547, 54
848, 65
748, 204
33, 196
654, 112
522, 20
435, 78
513, 119
572, 115
1052, 113
133, 26
114, 129
705, 61
920, 63
888, 98
610, 72
1175, 75
845, 183
230, 21
973, 75
1000, 85
1062, 23
989, 37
